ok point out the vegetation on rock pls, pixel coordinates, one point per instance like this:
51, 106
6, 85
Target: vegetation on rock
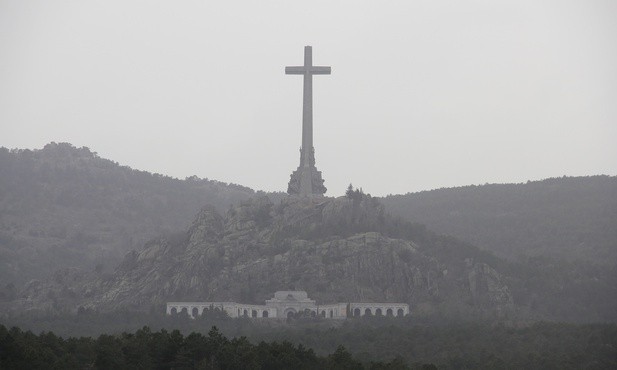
339, 250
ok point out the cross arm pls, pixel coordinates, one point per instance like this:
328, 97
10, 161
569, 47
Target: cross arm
294, 70
321, 70
310, 70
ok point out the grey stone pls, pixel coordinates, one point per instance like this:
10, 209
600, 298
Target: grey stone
306, 180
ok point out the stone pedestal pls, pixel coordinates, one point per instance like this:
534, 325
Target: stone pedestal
306, 180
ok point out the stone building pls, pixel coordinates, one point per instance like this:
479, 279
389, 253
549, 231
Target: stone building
290, 303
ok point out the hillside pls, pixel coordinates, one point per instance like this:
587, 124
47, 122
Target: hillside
336, 249
571, 218
68, 214
62, 206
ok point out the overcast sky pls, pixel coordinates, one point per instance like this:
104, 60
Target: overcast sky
423, 94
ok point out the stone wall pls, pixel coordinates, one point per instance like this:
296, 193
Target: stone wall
290, 304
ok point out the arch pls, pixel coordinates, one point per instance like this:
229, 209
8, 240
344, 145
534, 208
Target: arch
195, 312
323, 314
356, 312
368, 312
174, 311
246, 313
313, 314
254, 313
389, 312
184, 311
290, 312
331, 314
378, 312
264, 314
400, 312
239, 313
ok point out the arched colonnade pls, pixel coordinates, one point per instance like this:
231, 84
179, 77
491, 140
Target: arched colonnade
379, 309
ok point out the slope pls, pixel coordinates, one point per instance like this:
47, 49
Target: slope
335, 249
572, 218
63, 206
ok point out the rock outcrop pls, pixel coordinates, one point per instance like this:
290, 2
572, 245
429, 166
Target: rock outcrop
336, 249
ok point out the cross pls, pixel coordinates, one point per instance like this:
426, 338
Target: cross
307, 70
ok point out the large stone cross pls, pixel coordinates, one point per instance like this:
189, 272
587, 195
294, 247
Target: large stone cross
307, 180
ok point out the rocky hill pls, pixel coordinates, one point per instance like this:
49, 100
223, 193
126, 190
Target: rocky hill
63, 206
336, 249
71, 215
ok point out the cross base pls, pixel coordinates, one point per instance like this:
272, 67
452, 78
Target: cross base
306, 181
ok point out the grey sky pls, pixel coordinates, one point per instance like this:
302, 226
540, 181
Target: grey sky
423, 94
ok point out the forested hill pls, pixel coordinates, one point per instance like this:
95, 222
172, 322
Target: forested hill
573, 218
63, 206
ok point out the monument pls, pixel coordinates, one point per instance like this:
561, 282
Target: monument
306, 180
288, 304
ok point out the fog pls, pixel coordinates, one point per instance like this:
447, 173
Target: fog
422, 95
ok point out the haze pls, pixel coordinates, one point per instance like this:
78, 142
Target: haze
423, 94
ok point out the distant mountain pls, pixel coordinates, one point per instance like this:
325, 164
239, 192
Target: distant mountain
63, 206
571, 218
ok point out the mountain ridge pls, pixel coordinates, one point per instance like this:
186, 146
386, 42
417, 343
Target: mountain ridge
572, 218
63, 206
105, 209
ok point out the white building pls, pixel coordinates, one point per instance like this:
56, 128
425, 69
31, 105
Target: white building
289, 304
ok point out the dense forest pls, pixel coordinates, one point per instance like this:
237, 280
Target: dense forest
369, 342
166, 350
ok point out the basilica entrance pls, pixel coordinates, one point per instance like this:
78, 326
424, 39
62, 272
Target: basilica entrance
290, 312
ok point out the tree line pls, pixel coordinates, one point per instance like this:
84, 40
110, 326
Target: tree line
370, 341
146, 349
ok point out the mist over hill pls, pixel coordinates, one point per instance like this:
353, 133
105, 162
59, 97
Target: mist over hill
68, 219
63, 206
561, 234
572, 218
338, 249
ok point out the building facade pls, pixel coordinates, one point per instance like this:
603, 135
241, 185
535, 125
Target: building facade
290, 303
